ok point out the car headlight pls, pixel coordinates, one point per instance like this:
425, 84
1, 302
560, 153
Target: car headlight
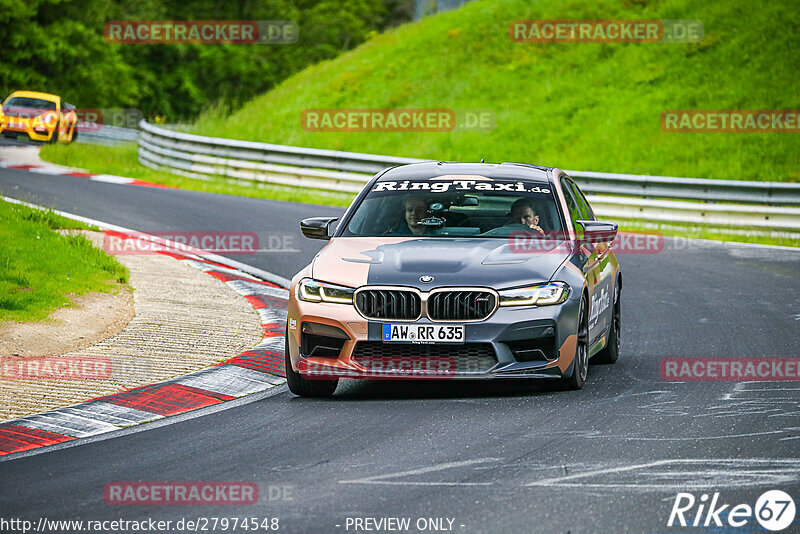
47, 118
313, 291
538, 295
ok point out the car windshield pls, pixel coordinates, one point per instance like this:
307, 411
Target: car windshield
29, 103
473, 207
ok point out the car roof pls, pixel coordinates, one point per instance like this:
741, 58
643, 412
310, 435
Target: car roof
500, 171
35, 94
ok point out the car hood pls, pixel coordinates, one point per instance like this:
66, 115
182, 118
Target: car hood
358, 261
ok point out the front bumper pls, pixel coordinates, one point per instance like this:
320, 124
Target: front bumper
524, 342
35, 130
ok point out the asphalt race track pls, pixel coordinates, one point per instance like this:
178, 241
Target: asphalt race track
491, 457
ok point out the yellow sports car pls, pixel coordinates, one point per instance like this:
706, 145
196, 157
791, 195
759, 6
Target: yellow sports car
40, 116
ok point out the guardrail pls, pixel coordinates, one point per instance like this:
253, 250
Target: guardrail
719, 203
106, 134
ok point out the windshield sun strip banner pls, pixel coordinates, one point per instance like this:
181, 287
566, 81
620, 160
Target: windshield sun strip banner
479, 184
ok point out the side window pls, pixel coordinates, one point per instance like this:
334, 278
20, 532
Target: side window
583, 207
572, 206
583, 204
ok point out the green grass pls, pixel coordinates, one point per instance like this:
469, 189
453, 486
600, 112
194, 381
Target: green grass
591, 107
122, 161
41, 269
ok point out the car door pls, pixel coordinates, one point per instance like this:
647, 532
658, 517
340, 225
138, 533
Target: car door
596, 265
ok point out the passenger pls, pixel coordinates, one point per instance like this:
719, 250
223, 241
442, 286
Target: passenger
523, 212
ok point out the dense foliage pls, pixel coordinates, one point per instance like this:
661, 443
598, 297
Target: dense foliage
58, 46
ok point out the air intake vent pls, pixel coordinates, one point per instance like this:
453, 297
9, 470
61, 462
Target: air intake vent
534, 350
461, 305
388, 304
466, 358
321, 340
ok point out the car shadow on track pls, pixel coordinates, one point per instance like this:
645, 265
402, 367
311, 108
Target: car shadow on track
19, 141
350, 390
596, 387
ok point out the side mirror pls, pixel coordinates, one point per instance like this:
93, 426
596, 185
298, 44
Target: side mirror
598, 231
317, 227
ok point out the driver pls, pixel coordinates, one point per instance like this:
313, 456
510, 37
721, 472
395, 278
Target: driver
523, 212
414, 210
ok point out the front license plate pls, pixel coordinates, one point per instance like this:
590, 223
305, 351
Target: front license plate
423, 333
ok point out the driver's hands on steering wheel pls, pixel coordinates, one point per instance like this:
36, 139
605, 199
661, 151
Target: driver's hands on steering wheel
534, 227
522, 225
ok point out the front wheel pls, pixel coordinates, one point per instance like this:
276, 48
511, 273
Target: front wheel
303, 387
580, 365
54, 137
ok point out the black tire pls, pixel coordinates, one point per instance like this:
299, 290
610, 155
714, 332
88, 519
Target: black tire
610, 353
74, 133
580, 365
303, 387
54, 138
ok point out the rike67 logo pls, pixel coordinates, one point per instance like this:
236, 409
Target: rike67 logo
774, 510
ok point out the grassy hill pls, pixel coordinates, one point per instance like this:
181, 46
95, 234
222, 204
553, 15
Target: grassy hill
577, 106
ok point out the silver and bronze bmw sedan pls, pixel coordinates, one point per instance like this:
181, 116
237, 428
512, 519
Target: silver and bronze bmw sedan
454, 271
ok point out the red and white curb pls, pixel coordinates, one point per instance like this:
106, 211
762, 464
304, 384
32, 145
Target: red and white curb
252, 371
55, 170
